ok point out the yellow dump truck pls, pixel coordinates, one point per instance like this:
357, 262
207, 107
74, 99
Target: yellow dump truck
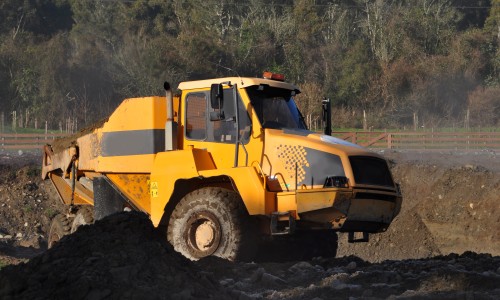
214, 160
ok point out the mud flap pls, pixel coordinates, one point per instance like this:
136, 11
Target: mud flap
106, 200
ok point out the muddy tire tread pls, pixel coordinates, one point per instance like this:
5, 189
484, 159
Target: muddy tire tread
236, 243
84, 216
59, 227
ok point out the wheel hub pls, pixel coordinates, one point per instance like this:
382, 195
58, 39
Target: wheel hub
203, 234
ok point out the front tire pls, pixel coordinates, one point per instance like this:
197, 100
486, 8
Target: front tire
211, 221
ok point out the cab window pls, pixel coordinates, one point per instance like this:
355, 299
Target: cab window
224, 131
196, 116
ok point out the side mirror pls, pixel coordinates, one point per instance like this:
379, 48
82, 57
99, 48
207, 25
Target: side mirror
216, 96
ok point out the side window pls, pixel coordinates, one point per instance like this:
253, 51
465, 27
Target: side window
225, 130
196, 116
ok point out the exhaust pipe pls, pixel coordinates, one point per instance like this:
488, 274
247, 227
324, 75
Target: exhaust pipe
327, 115
170, 125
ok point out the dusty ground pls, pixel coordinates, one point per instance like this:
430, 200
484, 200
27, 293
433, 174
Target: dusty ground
451, 205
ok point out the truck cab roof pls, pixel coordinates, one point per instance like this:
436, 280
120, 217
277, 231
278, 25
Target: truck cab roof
241, 81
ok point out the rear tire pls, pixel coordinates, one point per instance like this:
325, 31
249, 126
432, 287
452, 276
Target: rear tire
84, 216
211, 221
59, 227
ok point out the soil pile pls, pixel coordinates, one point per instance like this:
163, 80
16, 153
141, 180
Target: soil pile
120, 257
450, 205
466, 276
27, 205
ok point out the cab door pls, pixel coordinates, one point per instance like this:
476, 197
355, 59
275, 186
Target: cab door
219, 137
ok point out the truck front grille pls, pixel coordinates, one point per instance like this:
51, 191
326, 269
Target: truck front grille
371, 170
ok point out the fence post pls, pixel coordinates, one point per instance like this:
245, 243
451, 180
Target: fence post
389, 141
26, 121
14, 120
365, 122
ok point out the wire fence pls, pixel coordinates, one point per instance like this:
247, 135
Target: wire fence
26, 141
376, 140
424, 140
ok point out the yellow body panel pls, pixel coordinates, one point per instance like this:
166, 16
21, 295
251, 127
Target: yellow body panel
249, 185
135, 187
170, 167
128, 164
138, 113
287, 201
308, 200
134, 121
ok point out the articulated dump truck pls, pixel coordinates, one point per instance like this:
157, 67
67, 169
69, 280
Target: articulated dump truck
222, 162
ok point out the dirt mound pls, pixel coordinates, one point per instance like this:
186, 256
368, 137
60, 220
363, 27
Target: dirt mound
122, 257
466, 276
450, 205
119, 257
27, 205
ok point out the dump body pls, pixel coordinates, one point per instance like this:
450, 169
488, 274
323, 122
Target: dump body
122, 149
253, 143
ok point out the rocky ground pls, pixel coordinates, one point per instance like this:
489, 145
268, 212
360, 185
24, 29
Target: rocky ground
27, 205
450, 206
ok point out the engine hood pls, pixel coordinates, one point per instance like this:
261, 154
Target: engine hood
304, 159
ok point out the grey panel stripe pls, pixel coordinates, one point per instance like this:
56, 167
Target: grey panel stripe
133, 142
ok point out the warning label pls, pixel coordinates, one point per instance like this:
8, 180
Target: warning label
154, 189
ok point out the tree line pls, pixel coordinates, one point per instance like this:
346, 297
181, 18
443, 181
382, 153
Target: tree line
391, 62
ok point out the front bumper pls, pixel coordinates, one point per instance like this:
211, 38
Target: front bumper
343, 209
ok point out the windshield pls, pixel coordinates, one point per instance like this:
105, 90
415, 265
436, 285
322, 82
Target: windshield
275, 107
